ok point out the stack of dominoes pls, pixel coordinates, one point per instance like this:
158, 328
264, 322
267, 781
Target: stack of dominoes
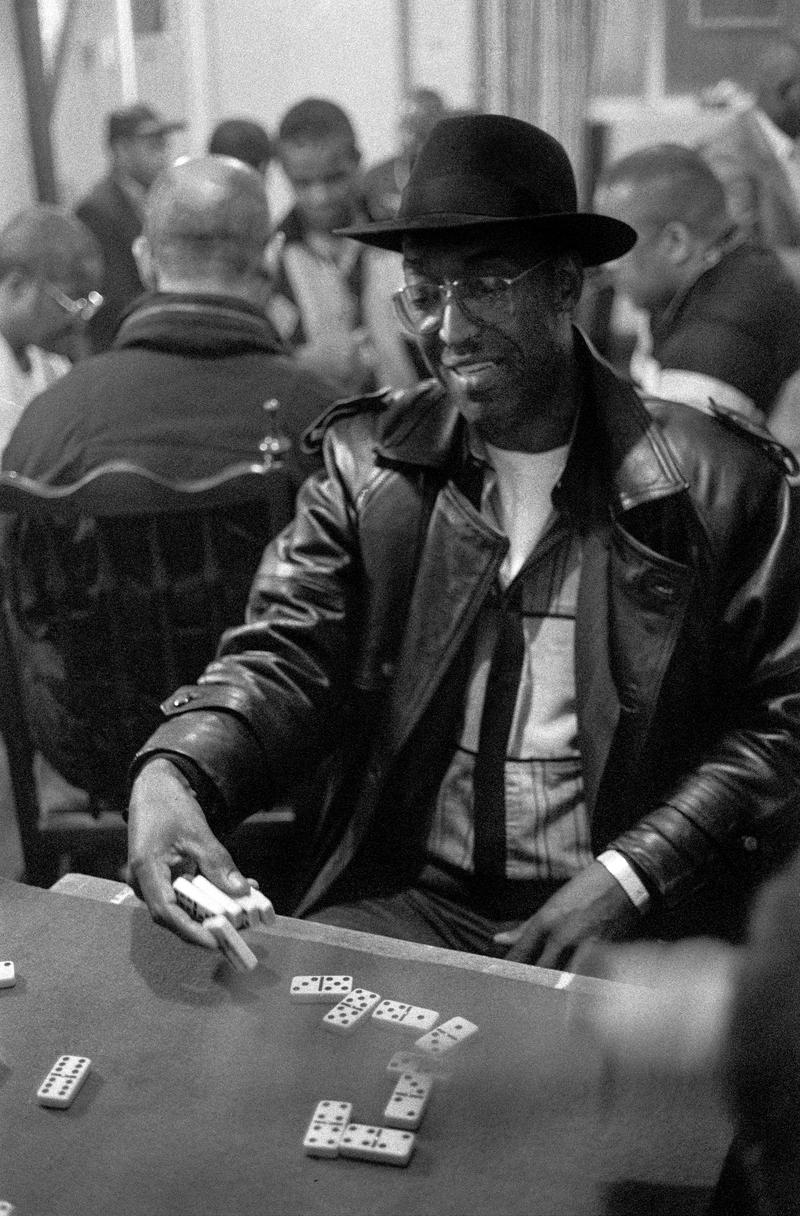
330, 1132
223, 916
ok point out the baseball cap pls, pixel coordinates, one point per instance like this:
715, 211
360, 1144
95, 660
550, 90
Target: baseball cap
139, 120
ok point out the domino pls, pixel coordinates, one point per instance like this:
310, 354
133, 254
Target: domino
409, 1099
406, 1017
417, 1062
6, 1208
385, 1145
202, 899
320, 989
8, 976
218, 901
326, 1128
257, 909
450, 1034
232, 945
61, 1085
351, 1012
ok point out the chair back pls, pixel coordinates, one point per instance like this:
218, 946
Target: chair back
116, 590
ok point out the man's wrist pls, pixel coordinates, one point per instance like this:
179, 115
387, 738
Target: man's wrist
621, 869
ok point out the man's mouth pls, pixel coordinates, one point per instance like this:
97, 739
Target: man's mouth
472, 373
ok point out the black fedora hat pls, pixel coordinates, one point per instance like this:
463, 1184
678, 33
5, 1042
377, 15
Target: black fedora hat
480, 169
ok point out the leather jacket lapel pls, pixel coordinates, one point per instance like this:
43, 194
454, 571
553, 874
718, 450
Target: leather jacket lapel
459, 563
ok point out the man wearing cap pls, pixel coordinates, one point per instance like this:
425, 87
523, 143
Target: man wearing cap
546, 640
138, 150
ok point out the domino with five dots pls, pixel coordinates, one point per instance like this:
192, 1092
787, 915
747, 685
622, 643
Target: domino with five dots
320, 989
385, 1145
232, 945
326, 1128
8, 976
63, 1081
351, 1012
409, 1099
444, 1038
405, 1017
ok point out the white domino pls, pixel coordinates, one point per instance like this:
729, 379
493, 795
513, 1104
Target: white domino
386, 1145
202, 899
447, 1036
320, 989
220, 903
257, 909
231, 943
6, 1208
406, 1017
351, 1012
63, 1081
417, 1062
8, 976
325, 1130
409, 1099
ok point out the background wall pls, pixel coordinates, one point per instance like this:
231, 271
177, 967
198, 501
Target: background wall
16, 180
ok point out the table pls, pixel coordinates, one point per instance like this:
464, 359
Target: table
203, 1081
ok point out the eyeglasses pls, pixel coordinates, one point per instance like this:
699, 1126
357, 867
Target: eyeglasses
84, 308
483, 297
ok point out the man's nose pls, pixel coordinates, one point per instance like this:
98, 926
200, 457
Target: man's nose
456, 325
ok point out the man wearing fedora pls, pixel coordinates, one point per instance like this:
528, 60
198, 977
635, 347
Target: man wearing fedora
138, 149
542, 642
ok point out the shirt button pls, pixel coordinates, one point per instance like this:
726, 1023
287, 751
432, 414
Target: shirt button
749, 844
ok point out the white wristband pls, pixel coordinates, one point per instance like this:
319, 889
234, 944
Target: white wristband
627, 878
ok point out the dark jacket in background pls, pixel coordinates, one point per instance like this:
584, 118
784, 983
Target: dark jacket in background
181, 393
739, 321
116, 223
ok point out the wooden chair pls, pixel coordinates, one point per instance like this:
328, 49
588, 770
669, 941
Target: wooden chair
115, 590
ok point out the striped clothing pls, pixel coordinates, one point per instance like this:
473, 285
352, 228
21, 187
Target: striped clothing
547, 828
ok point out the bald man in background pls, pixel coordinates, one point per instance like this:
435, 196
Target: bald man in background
182, 389
755, 154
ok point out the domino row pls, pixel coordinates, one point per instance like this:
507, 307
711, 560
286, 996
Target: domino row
357, 1004
223, 916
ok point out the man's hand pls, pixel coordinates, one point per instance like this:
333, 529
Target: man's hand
168, 831
590, 905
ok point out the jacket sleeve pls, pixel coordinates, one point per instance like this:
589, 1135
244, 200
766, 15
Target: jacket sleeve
742, 799
267, 709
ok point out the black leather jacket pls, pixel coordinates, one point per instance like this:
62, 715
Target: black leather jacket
356, 644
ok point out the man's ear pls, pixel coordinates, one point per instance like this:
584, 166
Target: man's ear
145, 262
677, 241
568, 283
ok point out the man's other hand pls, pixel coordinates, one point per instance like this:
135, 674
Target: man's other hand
590, 905
168, 834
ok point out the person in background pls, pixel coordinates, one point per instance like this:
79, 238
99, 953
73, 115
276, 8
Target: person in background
332, 299
50, 268
181, 393
138, 149
723, 315
244, 140
543, 641
754, 154
383, 183
182, 389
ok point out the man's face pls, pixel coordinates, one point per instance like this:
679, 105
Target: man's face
55, 323
646, 275
143, 157
324, 178
500, 362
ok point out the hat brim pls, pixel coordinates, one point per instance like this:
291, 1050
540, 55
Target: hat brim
597, 238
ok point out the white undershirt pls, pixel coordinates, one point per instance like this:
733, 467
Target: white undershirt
517, 498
